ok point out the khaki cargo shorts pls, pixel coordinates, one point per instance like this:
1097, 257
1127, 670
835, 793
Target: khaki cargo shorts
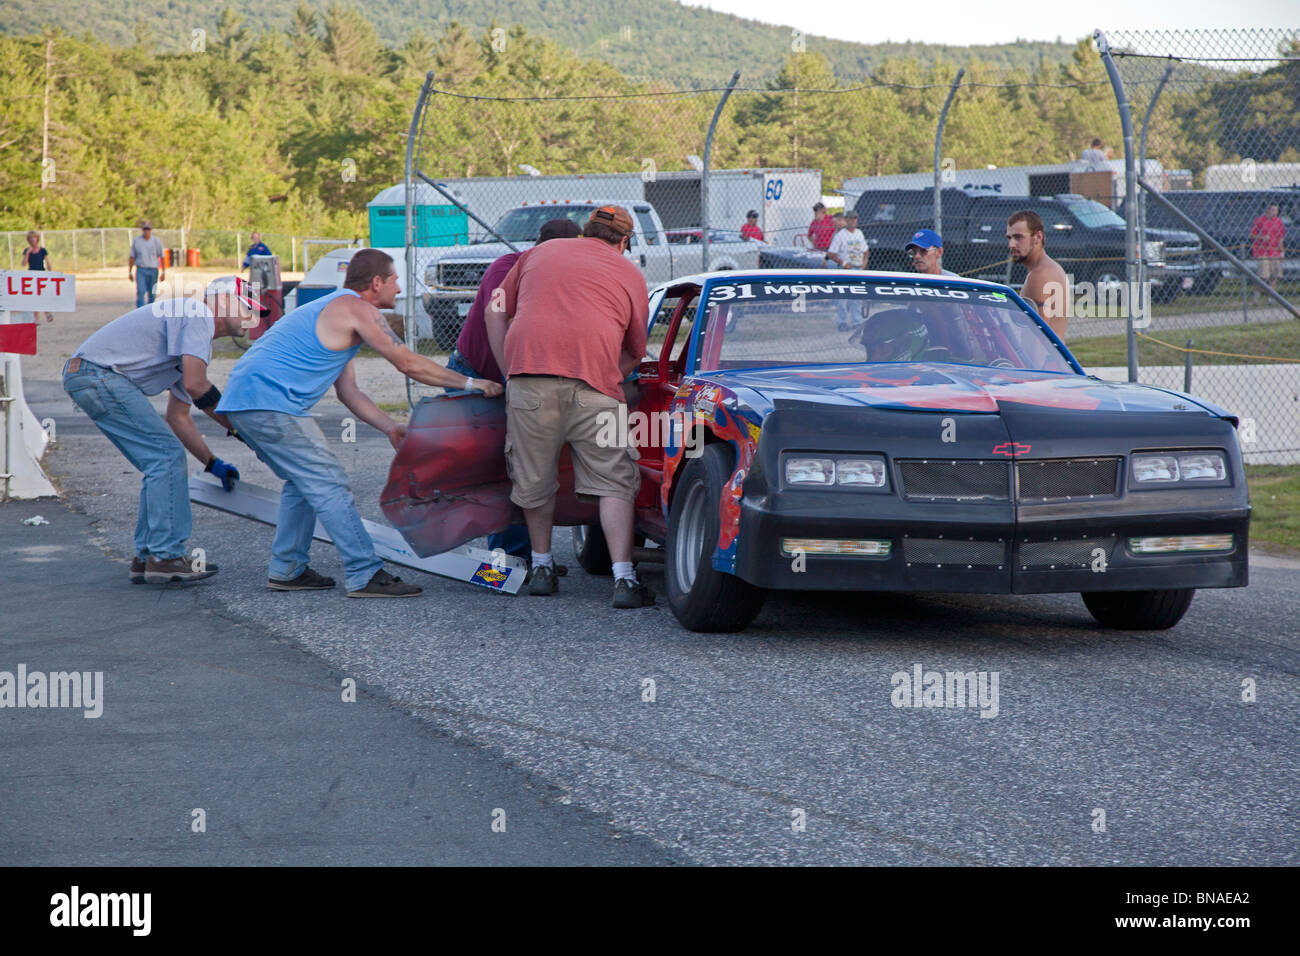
1270, 268
546, 412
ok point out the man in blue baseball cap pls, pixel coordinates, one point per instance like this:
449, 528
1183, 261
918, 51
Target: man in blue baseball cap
926, 250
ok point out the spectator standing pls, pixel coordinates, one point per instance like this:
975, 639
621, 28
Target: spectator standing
473, 356
750, 229
269, 398
822, 229
1268, 231
1046, 285
37, 257
258, 248
848, 248
569, 327
165, 345
146, 261
926, 250
1095, 156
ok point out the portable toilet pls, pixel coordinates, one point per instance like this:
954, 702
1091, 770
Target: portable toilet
437, 222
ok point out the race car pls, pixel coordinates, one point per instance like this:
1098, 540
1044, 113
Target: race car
874, 431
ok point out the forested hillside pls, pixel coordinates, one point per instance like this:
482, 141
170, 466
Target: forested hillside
640, 38
296, 129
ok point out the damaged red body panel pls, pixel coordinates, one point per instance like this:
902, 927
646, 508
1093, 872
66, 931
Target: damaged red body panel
448, 483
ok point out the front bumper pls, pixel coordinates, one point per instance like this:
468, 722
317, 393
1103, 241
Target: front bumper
1013, 545
985, 548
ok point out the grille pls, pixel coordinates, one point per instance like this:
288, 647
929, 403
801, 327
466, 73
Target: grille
955, 480
1067, 478
461, 275
954, 551
1063, 554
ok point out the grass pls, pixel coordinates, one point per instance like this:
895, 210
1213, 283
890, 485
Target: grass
1275, 507
1274, 339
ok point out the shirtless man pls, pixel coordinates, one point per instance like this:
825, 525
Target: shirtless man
269, 397
1046, 286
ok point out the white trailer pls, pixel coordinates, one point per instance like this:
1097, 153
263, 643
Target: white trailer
782, 196
1043, 180
1251, 175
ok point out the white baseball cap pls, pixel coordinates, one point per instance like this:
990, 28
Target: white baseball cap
234, 285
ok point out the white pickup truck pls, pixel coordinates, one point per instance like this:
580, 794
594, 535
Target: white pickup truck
452, 279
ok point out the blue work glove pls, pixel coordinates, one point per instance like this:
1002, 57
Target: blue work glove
228, 473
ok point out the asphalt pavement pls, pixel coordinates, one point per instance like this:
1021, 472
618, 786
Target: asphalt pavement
779, 744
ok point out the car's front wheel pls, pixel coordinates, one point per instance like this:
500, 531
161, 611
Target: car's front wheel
1139, 610
702, 598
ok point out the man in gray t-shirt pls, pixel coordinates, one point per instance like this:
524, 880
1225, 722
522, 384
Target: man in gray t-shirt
165, 346
146, 260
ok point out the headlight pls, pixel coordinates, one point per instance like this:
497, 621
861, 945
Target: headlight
1180, 467
860, 472
810, 471
857, 472
1153, 251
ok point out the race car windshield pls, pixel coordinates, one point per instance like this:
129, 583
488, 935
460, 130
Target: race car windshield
523, 224
763, 323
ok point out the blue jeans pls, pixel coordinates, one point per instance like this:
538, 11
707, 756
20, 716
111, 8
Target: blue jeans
127, 418
145, 281
514, 540
315, 486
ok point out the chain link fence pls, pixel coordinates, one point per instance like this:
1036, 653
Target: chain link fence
951, 150
85, 250
1216, 125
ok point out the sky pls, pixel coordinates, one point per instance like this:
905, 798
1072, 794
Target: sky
965, 22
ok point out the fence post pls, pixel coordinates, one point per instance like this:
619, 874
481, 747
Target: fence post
103, 250
938, 149
1142, 165
412, 139
1130, 191
1187, 368
704, 173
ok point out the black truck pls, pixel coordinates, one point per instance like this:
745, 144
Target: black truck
1084, 236
1227, 216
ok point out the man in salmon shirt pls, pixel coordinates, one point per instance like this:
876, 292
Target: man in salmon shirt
568, 324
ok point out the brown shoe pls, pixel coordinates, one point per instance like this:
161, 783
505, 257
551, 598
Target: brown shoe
137, 570
384, 585
309, 580
167, 570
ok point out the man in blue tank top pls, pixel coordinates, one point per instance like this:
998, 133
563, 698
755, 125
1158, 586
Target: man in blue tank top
269, 398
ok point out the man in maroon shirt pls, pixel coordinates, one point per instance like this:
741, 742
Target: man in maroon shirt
822, 229
1268, 231
473, 358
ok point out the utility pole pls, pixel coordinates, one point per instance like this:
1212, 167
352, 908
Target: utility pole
45, 125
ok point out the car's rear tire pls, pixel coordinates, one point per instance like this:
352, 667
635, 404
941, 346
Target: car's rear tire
1139, 610
591, 550
704, 599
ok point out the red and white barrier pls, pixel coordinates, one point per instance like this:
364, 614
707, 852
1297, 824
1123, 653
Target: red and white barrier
23, 440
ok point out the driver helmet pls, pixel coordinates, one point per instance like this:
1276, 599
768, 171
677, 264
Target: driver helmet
899, 335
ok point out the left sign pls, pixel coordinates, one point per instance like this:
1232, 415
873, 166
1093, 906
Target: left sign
37, 291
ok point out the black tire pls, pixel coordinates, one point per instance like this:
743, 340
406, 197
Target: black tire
1139, 610
1207, 280
591, 550
446, 323
701, 598
1167, 292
